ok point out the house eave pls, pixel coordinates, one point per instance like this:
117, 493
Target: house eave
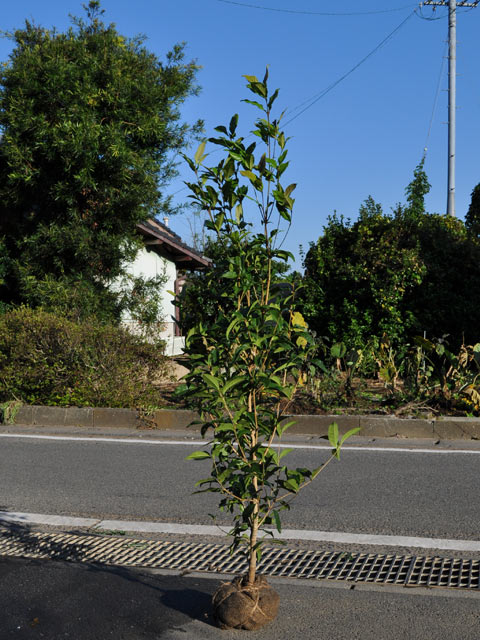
175, 251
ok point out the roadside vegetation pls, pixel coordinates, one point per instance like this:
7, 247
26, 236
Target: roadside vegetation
90, 126
51, 360
390, 299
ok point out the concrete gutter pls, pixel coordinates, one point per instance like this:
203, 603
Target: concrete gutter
445, 428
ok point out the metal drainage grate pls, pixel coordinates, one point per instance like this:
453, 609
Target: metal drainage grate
293, 563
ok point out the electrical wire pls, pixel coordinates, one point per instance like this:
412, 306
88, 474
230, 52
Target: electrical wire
437, 93
430, 19
317, 13
314, 99
467, 9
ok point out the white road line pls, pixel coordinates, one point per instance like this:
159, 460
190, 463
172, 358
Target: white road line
337, 537
200, 443
43, 518
194, 443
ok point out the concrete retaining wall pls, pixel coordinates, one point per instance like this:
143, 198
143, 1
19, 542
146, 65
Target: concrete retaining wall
371, 426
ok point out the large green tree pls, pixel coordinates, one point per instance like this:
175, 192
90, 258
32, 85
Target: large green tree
399, 274
90, 125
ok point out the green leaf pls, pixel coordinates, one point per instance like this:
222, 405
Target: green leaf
284, 214
199, 483
233, 382
231, 326
424, 343
338, 350
289, 189
200, 153
233, 124
255, 104
278, 523
291, 485
224, 426
283, 426
333, 434
258, 88
316, 471
249, 174
198, 455
272, 98
213, 382
262, 163
349, 434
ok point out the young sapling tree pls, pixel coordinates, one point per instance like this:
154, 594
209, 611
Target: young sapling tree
247, 362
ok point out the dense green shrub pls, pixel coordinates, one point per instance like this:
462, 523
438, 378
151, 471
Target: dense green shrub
47, 359
398, 275
356, 277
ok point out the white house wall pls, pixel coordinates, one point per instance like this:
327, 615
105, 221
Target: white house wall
149, 264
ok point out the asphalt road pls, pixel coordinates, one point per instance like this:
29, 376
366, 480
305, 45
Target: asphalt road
377, 492
53, 600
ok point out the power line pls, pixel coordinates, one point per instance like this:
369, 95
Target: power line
324, 92
317, 13
437, 92
430, 18
467, 7
314, 99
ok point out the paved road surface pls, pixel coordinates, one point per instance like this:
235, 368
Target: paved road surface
54, 601
381, 492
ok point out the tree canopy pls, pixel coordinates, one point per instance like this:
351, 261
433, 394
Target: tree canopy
399, 275
472, 219
90, 123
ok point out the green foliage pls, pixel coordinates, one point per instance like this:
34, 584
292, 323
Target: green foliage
396, 275
203, 296
47, 359
89, 121
8, 411
248, 359
472, 219
435, 373
416, 191
356, 277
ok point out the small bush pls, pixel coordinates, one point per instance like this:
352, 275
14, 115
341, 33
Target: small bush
48, 359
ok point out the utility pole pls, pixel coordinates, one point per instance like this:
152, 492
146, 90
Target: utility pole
452, 88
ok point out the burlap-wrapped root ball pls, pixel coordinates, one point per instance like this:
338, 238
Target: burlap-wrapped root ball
238, 605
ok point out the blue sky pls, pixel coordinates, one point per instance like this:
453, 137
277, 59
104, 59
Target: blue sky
365, 136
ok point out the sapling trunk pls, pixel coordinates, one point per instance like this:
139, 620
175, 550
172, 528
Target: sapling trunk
255, 520
252, 551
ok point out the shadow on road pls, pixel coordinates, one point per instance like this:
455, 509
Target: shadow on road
137, 589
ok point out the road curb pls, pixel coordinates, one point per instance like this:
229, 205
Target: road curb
444, 428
